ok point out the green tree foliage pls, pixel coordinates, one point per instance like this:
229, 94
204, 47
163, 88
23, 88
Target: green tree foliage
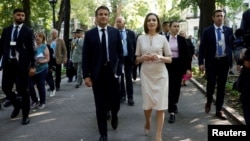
235, 6
6, 9
134, 13
39, 18
84, 12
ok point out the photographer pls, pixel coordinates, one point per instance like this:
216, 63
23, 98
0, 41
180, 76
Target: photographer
244, 78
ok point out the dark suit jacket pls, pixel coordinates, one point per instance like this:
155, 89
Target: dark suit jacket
184, 54
207, 49
25, 47
131, 44
91, 57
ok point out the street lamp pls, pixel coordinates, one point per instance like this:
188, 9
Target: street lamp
53, 3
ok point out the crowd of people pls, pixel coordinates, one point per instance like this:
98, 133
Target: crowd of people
104, 58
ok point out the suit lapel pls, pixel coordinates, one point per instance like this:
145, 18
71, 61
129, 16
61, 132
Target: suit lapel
20, 33
9, 31
109, 37
226, 34
96, 34
213, 36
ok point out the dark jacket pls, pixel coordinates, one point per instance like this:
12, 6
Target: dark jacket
92, 53
131, 45
25, 47
184, 54
207, 49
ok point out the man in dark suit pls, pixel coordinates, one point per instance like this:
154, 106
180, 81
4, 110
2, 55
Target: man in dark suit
216, 53
180, 65
17, 49
102, 61
129, 43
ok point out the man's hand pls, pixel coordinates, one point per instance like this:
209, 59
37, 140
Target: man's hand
88, 82
32, 71
247, 64
202, 68
65, 61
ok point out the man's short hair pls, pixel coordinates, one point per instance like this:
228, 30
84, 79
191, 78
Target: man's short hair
18, 10
218, 10
102, 7
165, 23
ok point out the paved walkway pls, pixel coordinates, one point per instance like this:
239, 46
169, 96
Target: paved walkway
70, 116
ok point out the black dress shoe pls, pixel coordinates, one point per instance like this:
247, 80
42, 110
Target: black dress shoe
131, 102
171, 118
25, 121
15, 113
221, 115
108, 115
7, 103
103, 138
114, 122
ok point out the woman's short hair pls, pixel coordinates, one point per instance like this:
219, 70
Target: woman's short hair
41, 35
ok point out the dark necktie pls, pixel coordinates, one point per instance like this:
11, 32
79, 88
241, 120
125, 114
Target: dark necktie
104, 48
13, 52
219, 42
121, 34
15, 33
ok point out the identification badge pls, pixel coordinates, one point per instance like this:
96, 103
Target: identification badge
122, 41
12, 43
220, 43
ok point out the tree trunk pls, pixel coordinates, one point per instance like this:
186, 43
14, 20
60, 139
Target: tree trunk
206, 11
60, 17
66, 25
26, 8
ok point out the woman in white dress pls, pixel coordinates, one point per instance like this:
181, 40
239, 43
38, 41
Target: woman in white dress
153, 52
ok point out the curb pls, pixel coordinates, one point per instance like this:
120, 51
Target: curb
229, 111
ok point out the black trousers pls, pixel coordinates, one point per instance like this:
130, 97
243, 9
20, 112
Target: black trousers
126, 79
106, 94
175, 73
244, 85
13, 75
58, 73
217, 74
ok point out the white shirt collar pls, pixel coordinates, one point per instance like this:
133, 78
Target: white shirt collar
170, 36
99, 28
216, 27
19, 26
